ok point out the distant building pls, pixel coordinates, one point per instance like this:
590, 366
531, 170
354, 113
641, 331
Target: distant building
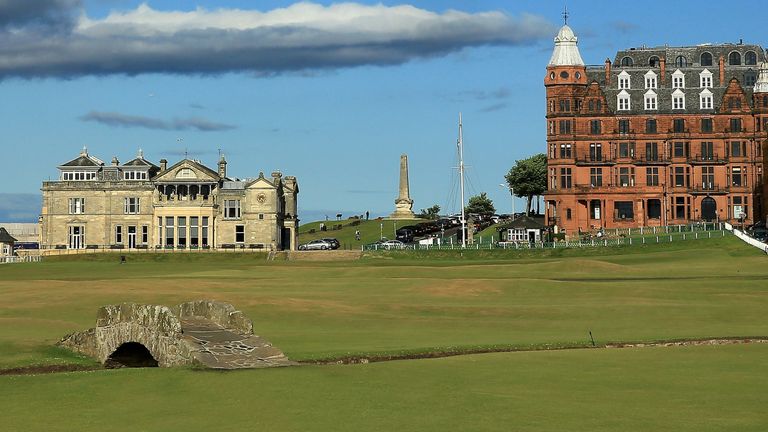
524, 229
139, 205
656, 136
6, 243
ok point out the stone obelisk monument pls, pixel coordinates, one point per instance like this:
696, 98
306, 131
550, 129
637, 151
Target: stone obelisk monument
403, 203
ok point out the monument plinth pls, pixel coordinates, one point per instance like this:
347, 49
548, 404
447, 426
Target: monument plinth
403, 203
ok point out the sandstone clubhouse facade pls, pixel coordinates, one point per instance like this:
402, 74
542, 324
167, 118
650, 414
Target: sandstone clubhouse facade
186, 206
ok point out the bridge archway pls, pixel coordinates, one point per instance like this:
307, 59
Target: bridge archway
131, 354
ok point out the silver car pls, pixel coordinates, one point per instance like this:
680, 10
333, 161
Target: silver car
316, 245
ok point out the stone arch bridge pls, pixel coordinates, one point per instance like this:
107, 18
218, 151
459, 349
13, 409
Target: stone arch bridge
207, 333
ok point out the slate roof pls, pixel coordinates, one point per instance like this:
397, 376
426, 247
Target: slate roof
640, 60
84, 160
140, 162
525, 222
5, 237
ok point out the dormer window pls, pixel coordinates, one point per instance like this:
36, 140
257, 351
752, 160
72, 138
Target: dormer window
678, 100
734, 58
678, 79
706, 59
77, 175
624, 80
705, 79
653, 61
134, 175
622, 101
651, 100
651, 81
626, 62
705, 99
681, 61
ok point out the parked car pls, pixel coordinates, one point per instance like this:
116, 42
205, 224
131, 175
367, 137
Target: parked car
316, 245
405, 234
760, 234
334, 242
392, 244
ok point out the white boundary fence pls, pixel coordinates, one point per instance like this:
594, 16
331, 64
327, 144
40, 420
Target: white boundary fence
19, 259
662, 236
747, 239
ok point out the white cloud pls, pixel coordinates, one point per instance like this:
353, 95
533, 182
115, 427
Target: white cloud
303, 36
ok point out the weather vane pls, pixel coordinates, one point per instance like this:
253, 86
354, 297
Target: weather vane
565, 14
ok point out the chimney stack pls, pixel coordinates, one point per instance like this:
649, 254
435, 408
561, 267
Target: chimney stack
663, 66
607, 72
276, 176
721, 64
163, 164
115, 161
222, 167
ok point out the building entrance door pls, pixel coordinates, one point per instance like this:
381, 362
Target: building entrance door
76, 237
708, 209
131, 237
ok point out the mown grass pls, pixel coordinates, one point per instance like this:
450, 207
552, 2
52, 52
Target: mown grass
411, 302
701, 389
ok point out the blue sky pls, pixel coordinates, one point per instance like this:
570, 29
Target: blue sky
330, 93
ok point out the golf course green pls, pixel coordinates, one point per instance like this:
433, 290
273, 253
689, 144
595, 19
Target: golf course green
406, 304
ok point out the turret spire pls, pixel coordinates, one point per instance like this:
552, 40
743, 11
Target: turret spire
566, 53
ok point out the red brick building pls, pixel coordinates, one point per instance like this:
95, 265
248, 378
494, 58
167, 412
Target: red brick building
658, 136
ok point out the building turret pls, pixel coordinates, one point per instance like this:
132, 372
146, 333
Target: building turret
566, 67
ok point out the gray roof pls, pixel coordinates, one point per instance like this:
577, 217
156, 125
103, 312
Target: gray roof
140, 162
692, 55
5, 237
664, 90
83, 161
525, 222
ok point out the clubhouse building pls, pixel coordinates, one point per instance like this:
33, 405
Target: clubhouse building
140, 205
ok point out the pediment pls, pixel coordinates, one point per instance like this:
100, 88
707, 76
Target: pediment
187, 171
260, 183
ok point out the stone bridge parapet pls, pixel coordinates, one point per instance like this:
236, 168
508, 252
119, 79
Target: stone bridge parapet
205, 332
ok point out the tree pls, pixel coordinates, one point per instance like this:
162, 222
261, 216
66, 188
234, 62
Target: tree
480, 204
430, 213
528, 178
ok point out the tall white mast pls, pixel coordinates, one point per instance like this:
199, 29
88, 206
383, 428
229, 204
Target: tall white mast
461, 180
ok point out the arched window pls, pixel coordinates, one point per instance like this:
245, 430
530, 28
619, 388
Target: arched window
734, 58
750, 58
653, 61
680, 61
706, 59
765, 101
626, 62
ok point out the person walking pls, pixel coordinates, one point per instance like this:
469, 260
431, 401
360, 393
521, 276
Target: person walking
357, 235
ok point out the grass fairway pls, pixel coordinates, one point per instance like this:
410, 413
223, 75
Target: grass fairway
679, 389
412, 302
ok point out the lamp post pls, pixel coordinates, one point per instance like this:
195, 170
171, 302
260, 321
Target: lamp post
512, 194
